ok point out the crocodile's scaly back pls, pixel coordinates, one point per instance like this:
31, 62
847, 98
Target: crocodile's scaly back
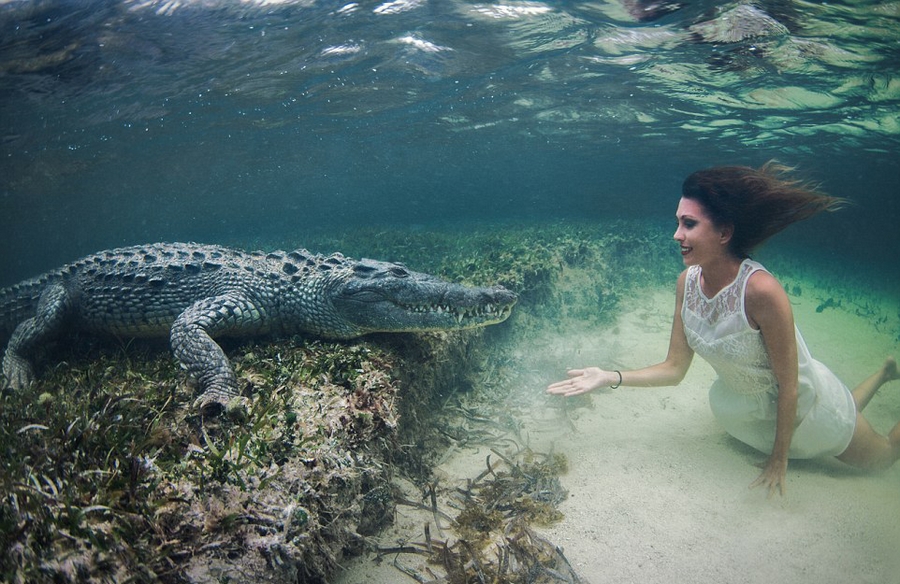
141, 290
194, 293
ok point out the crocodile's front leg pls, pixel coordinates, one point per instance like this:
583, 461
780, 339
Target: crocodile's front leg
52, 308
192, 343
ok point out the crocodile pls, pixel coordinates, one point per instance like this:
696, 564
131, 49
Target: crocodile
194, 293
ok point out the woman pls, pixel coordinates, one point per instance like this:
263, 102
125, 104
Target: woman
770, 393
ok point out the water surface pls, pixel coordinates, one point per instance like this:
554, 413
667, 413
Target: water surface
126, 121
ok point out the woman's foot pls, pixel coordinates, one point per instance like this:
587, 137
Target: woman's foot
863, 392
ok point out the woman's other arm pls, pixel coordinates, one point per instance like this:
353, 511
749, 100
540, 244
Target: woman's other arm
769, 309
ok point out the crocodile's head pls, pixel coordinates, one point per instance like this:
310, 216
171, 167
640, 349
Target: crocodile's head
376, 296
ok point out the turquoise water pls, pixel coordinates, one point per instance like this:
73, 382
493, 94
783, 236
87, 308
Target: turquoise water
220, 121
280, 123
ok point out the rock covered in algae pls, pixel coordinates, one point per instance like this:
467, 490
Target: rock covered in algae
111, 477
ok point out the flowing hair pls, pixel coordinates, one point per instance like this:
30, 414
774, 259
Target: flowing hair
758, 203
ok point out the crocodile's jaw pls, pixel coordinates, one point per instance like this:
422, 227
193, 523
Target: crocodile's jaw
391, 300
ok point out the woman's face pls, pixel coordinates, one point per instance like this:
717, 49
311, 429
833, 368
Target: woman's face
700, 239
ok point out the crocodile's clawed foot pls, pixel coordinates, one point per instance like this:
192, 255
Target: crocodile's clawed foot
17, 372
216, 403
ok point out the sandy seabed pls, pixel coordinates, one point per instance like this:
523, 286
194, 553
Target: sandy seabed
658, 493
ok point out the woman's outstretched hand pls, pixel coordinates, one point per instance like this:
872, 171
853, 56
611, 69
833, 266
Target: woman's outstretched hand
582, 381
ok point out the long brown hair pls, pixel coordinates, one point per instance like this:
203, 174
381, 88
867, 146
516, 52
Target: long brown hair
757, 202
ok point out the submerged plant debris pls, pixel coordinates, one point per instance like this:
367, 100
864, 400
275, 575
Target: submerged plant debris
492, 539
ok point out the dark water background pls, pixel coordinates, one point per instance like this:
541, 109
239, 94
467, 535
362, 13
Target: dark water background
131, 121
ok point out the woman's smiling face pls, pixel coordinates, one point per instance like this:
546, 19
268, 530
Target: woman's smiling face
700, 239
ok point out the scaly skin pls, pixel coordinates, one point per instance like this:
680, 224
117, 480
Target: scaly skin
194, 293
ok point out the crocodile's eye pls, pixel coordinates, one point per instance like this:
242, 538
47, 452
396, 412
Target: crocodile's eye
398, 272
363, 270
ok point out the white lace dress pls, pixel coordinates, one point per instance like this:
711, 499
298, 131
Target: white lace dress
744, 397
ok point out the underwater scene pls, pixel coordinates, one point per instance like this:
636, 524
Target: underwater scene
507, 172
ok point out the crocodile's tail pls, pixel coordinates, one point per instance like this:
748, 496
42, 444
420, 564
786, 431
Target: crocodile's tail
19, 302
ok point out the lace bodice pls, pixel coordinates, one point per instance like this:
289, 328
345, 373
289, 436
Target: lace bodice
717, 329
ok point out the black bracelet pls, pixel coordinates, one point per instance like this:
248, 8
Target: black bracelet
616, 386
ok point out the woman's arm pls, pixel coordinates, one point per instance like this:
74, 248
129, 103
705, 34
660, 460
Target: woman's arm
769, 309
669, 372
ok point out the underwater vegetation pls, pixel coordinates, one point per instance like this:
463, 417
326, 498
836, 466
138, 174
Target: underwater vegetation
493, 539
110, 476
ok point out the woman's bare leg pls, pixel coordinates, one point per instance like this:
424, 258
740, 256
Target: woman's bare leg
863, 392
868, 448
